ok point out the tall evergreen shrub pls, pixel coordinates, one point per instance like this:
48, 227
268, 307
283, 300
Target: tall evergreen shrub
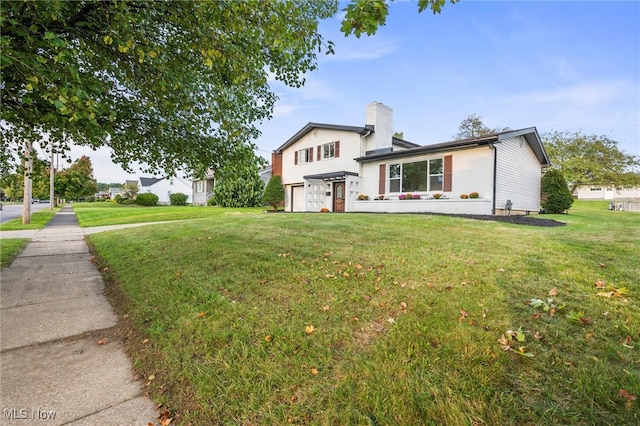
274, 194
556, 197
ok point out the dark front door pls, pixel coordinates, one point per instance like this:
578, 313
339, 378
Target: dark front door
338, 197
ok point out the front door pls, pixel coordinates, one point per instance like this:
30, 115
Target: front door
338, 197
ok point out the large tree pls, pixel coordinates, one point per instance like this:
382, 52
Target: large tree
473, 127
77, 181
591, 159
170, 84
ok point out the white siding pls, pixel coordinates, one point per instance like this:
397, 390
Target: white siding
349, 149
168, 186
518, 175
472, 171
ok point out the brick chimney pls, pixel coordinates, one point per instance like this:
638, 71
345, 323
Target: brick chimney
380, 118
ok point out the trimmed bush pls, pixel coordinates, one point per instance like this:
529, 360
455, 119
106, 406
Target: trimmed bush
178, 199
244, 191
556, 197
274, 193
147, 199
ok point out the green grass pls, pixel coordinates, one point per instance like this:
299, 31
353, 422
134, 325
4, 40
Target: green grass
407, 312
101, 214
38, 221
9, 249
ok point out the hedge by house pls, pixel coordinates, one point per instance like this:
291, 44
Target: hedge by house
178, 199
147, 199
244, 191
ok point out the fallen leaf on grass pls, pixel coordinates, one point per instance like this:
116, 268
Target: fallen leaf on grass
600, 284
314, 371
535, 316
403, 305
165, 418
325, 308
202, 314
463, 315
553, 292
625, 394
628, 397
627, 343
268, 338
537, 336
309, 329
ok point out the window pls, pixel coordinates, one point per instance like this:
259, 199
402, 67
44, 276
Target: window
304, 156
200, 186
329, 150
416, 176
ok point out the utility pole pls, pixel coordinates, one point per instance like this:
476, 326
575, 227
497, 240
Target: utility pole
51, 177
28, 169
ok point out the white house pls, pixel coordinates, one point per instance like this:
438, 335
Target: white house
203, 188
335, 166
163, 187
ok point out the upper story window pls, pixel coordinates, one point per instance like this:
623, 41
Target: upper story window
425, 175
304, 156
329, 150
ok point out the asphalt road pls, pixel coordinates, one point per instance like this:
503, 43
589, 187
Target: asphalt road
12, 211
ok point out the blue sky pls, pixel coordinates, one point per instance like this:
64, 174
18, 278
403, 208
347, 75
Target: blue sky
556, 65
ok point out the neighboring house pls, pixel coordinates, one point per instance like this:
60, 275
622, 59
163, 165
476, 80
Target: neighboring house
332, 166
265, 175
626, 198
114, 190
203, 189
163, 187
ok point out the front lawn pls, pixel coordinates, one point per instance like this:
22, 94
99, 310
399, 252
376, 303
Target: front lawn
107, 213
335, 319
39, 220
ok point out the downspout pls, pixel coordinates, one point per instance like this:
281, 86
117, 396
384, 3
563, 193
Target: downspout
495, 173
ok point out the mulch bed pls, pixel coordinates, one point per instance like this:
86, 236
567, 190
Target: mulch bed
515, 219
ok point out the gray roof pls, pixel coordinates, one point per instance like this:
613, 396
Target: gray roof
144, 181
530, 134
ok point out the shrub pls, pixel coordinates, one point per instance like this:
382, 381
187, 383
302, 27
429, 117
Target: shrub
362, 197
379, 197
178, 199
437, 195
556, 197
147, 199
239, 191
464, 196
274, 193
324, 210
416, 196
402, 197
474, 195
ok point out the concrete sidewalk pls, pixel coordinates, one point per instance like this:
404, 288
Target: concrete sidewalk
52, 369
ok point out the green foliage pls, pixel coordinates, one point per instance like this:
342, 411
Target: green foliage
178, 199
139, 76
77, 181
366, 16
244, 191
147, 199
274, 193
556, 197
591, 160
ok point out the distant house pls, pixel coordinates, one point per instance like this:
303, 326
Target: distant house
625, 198
164, 187
265, 175
346, 168
202, 189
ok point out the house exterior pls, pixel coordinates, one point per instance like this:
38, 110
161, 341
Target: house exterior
163, 187
624, 199
347, 168
203, 189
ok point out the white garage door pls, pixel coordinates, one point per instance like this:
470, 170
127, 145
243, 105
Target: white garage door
298, 199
